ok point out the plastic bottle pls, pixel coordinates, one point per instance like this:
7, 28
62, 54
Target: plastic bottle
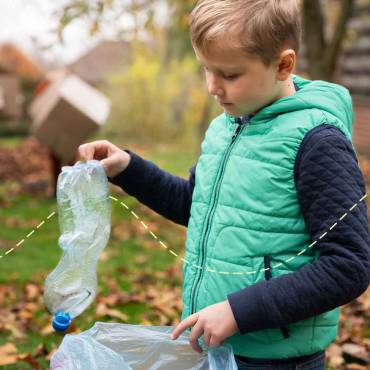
84, 219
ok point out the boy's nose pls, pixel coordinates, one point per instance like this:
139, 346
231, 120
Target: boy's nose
214, 86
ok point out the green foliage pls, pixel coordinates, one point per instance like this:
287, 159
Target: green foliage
97, 13
155, 100
180, 44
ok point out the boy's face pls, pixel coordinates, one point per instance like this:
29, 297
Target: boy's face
240, 84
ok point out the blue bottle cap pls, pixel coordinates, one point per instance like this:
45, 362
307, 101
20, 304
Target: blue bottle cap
61, 321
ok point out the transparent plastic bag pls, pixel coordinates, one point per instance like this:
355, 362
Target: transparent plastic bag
84, 218
110, 346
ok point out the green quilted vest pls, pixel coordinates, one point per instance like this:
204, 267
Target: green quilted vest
245, 208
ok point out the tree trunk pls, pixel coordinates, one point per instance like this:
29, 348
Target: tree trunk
313, 32
322, 54
335, 47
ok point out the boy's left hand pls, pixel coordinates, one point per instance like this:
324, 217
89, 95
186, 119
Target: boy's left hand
217, 322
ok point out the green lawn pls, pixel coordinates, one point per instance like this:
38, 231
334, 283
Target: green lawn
131, 256
132, 265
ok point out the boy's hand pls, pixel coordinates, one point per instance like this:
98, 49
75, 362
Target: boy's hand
217, 322
113, 159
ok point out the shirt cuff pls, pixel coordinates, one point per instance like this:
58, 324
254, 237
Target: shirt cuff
132, 176
248, 308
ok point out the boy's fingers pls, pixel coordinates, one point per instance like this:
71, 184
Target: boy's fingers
106, 166
214, 342
109, 165
86, 151
207, 338
194, 335
187, 323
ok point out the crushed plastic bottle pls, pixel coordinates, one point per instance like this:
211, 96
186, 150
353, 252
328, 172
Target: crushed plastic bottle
84, 219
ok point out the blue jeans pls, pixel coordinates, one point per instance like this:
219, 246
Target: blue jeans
313, 362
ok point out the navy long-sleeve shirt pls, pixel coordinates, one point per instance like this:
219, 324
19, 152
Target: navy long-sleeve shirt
329, 182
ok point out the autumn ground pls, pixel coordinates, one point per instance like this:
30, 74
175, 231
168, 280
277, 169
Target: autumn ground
139, 281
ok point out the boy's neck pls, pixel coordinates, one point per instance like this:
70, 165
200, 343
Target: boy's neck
288, 88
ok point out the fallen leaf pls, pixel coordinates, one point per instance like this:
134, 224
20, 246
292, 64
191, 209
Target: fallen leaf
102, 310
8, 354
114, 298
356, 367
26, 357
48, 329
32, 291
7, 349
25, 314
16, 333
107, 254
334, 355
355, 352
141, 259
41, 350
364, 300
48, 356
6, 293
366, 342
8, 359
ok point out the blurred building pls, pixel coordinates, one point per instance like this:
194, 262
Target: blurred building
65, 112
16, 70
19, 63
10, 95
100, 62
68, 107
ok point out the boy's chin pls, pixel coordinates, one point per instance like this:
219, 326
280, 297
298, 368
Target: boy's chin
233, 111
230, 109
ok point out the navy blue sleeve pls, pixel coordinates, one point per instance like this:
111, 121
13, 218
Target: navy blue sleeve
329, 182
166, 194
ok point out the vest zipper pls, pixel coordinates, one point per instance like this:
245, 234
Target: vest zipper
210, 214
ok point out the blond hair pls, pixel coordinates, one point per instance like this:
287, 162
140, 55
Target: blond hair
259, 27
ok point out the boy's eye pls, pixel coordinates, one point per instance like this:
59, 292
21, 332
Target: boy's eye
224, 75
230, 77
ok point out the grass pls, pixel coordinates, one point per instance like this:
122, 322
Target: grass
14, 129
39, 254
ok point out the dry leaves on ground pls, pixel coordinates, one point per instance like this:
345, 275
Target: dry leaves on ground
27, 165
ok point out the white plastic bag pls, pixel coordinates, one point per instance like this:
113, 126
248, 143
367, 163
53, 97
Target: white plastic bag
110, 346
84, 218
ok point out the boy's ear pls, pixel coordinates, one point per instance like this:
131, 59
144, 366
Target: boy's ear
286, 64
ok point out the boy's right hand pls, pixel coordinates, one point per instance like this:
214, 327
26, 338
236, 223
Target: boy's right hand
113, 159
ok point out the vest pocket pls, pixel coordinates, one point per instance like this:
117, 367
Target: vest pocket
274, 334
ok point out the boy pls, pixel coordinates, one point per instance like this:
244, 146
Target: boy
274, 245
